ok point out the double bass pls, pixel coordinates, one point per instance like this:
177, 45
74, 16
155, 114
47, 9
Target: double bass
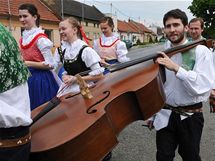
79, 129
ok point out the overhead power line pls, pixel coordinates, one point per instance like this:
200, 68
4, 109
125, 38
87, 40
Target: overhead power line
113, 8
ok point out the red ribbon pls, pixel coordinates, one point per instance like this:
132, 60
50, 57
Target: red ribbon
84, 36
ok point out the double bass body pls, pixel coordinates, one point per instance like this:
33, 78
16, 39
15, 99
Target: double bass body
73, 132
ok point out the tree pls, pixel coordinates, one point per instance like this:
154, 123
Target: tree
206, 10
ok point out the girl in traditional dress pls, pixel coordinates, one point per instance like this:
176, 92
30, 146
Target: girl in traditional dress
36, 52
109, 47
111, 50
76, 56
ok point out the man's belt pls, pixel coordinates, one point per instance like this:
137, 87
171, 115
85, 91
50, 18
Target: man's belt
15, 142
14, 136
183, 110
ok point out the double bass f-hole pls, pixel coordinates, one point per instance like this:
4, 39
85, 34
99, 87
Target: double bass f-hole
90, 110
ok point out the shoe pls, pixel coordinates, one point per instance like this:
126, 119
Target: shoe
107, 157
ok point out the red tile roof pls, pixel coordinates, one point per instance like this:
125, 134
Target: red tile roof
44, 11
123, 26
139, 27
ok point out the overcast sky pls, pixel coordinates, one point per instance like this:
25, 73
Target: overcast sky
144, 11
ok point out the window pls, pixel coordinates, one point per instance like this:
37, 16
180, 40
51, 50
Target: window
48, 33
95, 36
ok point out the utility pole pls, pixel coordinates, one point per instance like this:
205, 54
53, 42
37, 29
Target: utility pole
82, 11
111, 7
62, 15
9, 11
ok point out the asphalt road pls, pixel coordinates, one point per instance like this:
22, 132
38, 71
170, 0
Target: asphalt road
137, 143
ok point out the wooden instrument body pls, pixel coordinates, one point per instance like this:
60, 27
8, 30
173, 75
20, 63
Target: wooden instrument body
69, 133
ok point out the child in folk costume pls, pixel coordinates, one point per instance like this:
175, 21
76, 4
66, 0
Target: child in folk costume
36, 52
109, 47
76, 56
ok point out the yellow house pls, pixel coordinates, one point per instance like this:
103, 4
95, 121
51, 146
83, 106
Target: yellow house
88, 16
48, 20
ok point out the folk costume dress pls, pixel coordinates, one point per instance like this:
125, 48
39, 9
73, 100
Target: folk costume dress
15, 114
35, 46
78, 57
111, 49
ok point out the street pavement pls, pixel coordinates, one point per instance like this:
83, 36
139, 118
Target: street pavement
137, 143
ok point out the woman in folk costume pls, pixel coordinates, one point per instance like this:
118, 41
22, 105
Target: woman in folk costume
36, 52
110, 48
76, 56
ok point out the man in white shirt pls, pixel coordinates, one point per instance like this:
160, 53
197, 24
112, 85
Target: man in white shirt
196, 27
188, 84
15, 115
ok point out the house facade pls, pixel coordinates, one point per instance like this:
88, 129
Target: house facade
89, 16
135, 32
48, 20
52, 11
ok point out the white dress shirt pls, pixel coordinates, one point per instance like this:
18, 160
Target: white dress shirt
187, 87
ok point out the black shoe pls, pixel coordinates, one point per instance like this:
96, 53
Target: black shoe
107, 157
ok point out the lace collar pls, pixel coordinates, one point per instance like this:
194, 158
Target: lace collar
28, 35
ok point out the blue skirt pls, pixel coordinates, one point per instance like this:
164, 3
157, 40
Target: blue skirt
42, 87
60, 73
114, 61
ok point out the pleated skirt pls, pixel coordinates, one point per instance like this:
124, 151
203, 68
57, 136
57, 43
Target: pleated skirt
42, 87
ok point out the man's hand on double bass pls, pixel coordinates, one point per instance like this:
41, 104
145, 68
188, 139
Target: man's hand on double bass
167, 62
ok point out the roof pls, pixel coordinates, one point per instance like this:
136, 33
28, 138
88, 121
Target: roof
139, 26
123, 26
43, 10
74, 8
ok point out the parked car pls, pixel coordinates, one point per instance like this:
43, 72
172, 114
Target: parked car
128, 43
162, 39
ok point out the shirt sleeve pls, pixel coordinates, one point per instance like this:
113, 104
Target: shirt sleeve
199, 80
121, 52
15, 107
92, 59
45, 45
95, 46
57, 56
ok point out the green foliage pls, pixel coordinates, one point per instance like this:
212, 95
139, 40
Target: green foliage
156, 39
206, 10
150, 40
138, 42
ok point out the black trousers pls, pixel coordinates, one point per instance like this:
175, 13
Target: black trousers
18, 153
182, 134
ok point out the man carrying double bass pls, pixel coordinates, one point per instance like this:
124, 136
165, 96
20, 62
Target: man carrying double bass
189, 79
